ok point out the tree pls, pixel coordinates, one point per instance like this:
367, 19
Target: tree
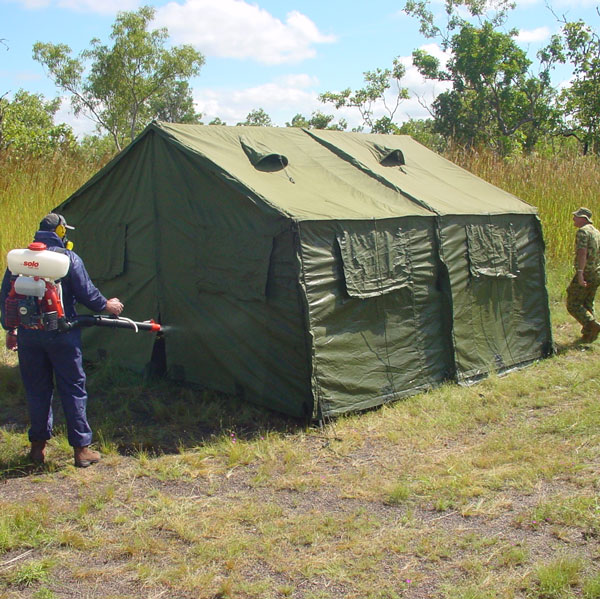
218, 121
377, 84
457, 14
423, 130
257, 118
123, 85
27, 125
318, 120
494, 99
97, 150
580, 102
176, 105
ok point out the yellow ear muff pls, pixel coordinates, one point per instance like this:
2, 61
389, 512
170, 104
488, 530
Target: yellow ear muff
60, 231
69, 245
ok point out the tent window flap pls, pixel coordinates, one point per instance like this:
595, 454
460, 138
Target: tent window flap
492, 251
374, 262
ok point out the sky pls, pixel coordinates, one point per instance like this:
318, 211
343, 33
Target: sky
278, 55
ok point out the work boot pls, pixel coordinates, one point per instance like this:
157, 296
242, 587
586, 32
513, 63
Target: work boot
591, 332
85, 457
37, 454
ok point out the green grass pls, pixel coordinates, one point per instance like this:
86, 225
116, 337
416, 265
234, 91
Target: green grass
484, 491
487, 491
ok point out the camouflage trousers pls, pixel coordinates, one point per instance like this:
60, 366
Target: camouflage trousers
580, 300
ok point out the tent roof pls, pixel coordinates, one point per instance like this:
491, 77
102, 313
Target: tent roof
426, 176
297, 176
323, 175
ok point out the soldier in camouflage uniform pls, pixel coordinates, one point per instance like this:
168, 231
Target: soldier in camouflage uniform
582, 289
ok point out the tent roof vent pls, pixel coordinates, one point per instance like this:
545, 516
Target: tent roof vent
388, 156
262, 157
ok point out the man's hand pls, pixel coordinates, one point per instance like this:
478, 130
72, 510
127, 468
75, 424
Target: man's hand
11, 340
114, 306
580, 278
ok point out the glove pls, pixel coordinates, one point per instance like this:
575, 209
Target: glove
11, 340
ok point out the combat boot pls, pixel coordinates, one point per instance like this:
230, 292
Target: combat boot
591, 332
37, 453
85, 457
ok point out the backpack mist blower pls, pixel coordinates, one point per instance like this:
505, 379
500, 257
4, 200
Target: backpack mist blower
35, 297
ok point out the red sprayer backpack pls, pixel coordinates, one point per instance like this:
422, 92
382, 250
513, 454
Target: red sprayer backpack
35, 297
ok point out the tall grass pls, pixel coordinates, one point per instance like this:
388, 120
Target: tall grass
556, 185
31, 187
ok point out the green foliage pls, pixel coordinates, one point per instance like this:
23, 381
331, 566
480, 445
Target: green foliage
318, 120
457, 15
255, 118
122, 86
493, 101
424, 132
176, 105
377, 84
97, 148
27, 126
579, 103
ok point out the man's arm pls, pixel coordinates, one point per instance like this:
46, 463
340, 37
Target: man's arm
581, 262
84, 291
87, 293
4, 291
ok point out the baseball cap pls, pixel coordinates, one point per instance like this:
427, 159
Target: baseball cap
52, 220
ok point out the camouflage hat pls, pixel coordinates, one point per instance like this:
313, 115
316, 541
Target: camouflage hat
584, 213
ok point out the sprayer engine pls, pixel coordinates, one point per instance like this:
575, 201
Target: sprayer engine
35, 297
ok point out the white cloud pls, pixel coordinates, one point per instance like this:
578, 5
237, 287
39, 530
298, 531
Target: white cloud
281, 99
422, 91
287, 96
237, 29
105, 7
575, 4
33, 4
539, 34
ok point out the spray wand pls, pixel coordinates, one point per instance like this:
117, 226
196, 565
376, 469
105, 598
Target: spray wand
113, 322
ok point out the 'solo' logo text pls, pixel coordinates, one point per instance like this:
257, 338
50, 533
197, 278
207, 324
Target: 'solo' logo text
31, 264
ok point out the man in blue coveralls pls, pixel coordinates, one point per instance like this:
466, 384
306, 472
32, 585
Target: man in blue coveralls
44, 354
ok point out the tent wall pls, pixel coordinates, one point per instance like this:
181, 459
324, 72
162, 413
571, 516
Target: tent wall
376, 348
224, 281
215, 265
114, 235
500, 306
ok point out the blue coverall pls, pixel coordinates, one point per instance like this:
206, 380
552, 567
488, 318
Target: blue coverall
44, 354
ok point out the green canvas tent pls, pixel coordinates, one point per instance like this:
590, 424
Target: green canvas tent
313, 272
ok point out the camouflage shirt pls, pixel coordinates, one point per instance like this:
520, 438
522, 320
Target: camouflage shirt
589, 237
